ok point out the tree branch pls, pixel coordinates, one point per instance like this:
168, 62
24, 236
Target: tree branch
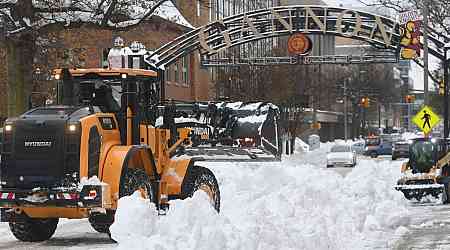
108, 13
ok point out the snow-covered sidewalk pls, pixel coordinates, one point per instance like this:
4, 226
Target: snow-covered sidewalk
293, 204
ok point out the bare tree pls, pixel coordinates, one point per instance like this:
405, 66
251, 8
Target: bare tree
439, 10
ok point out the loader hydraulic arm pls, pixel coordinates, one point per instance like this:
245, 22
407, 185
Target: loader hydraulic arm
183, 134
443, 161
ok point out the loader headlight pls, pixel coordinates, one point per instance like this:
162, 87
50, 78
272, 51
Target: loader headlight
73, 127
8, 128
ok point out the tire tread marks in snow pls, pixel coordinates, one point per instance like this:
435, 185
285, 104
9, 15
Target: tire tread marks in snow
196, 177
33, 230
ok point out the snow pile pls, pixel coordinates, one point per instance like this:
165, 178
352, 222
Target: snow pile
301, 146
189, 224
94, 180
409, 136
287, 205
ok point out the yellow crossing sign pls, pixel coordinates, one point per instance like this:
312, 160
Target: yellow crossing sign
426, 119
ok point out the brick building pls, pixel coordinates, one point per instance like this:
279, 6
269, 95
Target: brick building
86, 46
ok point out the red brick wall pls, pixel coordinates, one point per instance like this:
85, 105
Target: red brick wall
83, 45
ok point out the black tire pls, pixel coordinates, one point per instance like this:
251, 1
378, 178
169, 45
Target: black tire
195, 178
373, 154
101, 222
394, 158
33, 230
196, 141
446, 192
132, 179
329, 166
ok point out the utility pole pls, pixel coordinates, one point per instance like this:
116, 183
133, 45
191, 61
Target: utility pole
425, 51
345, 110
409, 117
379, 116
446, 88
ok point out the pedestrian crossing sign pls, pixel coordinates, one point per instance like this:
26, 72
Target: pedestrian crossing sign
426, 119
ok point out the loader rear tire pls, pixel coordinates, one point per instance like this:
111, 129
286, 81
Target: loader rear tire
200, 178
132, 179
33, 230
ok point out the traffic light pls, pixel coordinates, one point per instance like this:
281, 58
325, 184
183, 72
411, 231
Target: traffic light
441, 87
409, 98
365, 102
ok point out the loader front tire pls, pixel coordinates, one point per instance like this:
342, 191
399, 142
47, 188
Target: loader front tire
101, 222
201, 179
136, 179
32, 229
132, 179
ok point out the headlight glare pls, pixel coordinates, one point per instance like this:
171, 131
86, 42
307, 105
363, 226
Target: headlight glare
8, 128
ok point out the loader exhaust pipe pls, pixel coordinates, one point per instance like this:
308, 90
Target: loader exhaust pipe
67, 87
129, 117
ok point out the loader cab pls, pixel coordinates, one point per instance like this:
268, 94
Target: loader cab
126, 93
425, 152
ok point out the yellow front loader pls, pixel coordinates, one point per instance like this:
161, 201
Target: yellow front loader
77, 158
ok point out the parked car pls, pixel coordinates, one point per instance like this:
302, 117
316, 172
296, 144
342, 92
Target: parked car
400, 149
384, 148
341, 155
378, 145
358, 147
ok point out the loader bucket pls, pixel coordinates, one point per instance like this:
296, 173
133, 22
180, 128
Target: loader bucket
420, 191
228, 129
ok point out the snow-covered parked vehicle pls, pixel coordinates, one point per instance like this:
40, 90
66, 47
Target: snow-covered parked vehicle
341, 155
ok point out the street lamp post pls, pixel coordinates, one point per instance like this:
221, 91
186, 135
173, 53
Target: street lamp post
446, 83
345, 110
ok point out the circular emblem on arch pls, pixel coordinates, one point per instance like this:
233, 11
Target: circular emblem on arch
299, 44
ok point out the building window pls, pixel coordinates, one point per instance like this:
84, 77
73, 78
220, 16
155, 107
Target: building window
176, 72
104, 58
168, 75
185, 70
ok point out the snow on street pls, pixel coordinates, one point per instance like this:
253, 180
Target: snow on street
294, 204
287, 205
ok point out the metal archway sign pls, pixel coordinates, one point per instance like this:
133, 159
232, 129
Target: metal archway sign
210, 39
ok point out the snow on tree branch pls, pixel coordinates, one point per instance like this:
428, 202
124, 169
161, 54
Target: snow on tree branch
439, 10
34, 14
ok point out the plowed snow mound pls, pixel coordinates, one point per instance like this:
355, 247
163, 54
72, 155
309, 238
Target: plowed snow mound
284, 205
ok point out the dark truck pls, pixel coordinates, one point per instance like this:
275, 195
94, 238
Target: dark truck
400, 149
